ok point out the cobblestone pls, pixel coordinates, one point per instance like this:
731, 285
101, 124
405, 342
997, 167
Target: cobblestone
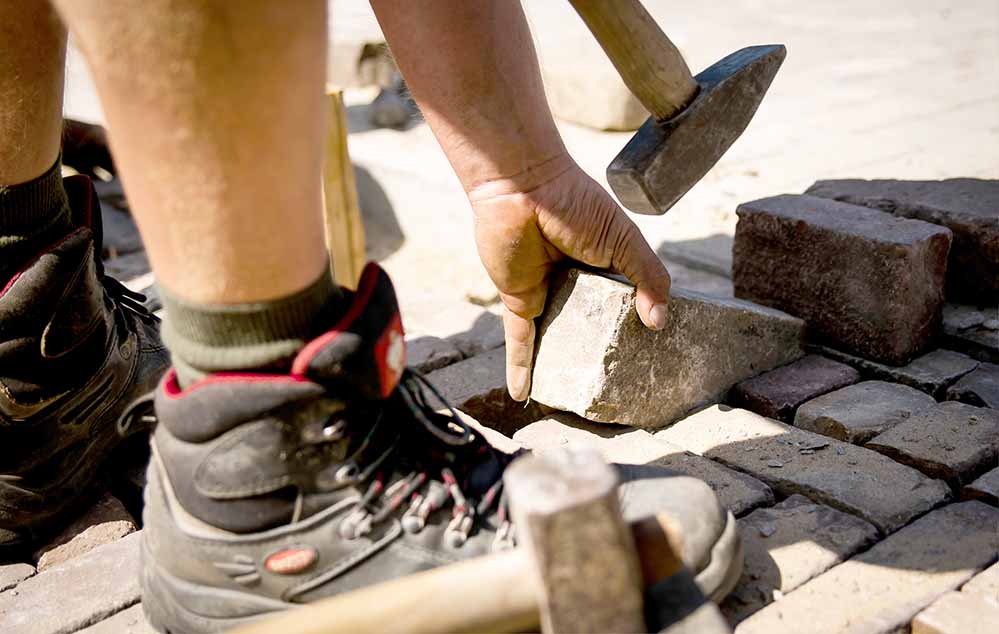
881, 590
932, 373
128, 621
427, 353
985, 584
859, 412
980, 387
951, 441
864, 281
104, 522
595, 358
789, 544
13, 574
850, 478
985, 488
957, 613
778, 393
973, 330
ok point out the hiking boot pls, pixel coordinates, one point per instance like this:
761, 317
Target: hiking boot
76, 348
266, 491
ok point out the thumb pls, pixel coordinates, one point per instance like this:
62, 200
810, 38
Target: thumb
636, 260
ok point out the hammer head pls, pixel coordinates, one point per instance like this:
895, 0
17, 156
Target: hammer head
666, 158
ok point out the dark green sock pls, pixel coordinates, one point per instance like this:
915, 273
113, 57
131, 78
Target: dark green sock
33, 215
262, 336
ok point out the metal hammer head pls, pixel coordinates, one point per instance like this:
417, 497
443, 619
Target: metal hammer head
666, 158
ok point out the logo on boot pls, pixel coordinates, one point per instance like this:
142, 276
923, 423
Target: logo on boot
390, 353
291, 561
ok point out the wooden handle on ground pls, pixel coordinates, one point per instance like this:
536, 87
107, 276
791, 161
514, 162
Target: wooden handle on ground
495, 593
648, 62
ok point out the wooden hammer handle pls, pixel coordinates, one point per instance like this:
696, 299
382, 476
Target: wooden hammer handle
646, 59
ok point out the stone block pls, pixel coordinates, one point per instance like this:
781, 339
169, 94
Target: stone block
951, 441
860, 412
957, 613
736, 491
778, 393
932, 372
477, 386
972, 330
469, 328
13, 574
985, 488
790, 460
789, 544
129, 621
76, 593
865, 281
882, 589
427, 354
980, 387
969, 207
595, 358
104, 522
985, 584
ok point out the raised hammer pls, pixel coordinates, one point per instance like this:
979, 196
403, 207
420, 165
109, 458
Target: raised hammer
694, 119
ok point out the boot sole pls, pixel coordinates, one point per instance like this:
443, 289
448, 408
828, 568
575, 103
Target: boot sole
170, 602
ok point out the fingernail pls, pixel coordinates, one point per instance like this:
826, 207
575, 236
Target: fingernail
658, 316
519, 381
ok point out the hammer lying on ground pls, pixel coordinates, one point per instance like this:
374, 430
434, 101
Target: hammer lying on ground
579, 568
694, 119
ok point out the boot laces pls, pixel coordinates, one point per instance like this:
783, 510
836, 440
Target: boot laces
127, 300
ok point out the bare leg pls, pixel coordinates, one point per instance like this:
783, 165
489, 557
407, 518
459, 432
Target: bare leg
215, 118
32, 59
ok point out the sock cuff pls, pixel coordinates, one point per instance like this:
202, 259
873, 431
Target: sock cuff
26, 208
215, 337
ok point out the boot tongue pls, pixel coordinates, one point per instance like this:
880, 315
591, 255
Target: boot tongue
364, 354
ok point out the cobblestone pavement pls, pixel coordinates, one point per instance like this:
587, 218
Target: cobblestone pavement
866, 492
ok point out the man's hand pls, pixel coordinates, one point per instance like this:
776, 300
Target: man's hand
521, 235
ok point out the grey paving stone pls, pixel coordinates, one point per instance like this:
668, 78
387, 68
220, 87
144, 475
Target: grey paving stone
596, 359
969, 207
985, 488
865, 281
477, 386
980, 387
427, 353
859, 412
778, 393
957, 613
13, 574
932, 372
105, 521
790, 460
973, 330
951, 441
882, 589
484, 334
736, 491
985, 584
76, 593
789, 544
128, 621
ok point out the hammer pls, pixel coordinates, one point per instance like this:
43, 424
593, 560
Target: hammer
694, 119
579, 568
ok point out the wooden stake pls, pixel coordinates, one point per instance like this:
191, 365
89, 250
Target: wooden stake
344, 230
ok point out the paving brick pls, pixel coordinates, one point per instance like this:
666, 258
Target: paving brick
882, 589
957, 613
860, 412
427, 353
736, 491
790, 460
969, 207
932, 372
468, 327
985, 584
951, 441
477, 386
483, 334
973, 330
789, 544
105, 521
495, 438
985, 488
13, 574
128, 621
865, 281
76, 593
595, 358
980, 387
778, 393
